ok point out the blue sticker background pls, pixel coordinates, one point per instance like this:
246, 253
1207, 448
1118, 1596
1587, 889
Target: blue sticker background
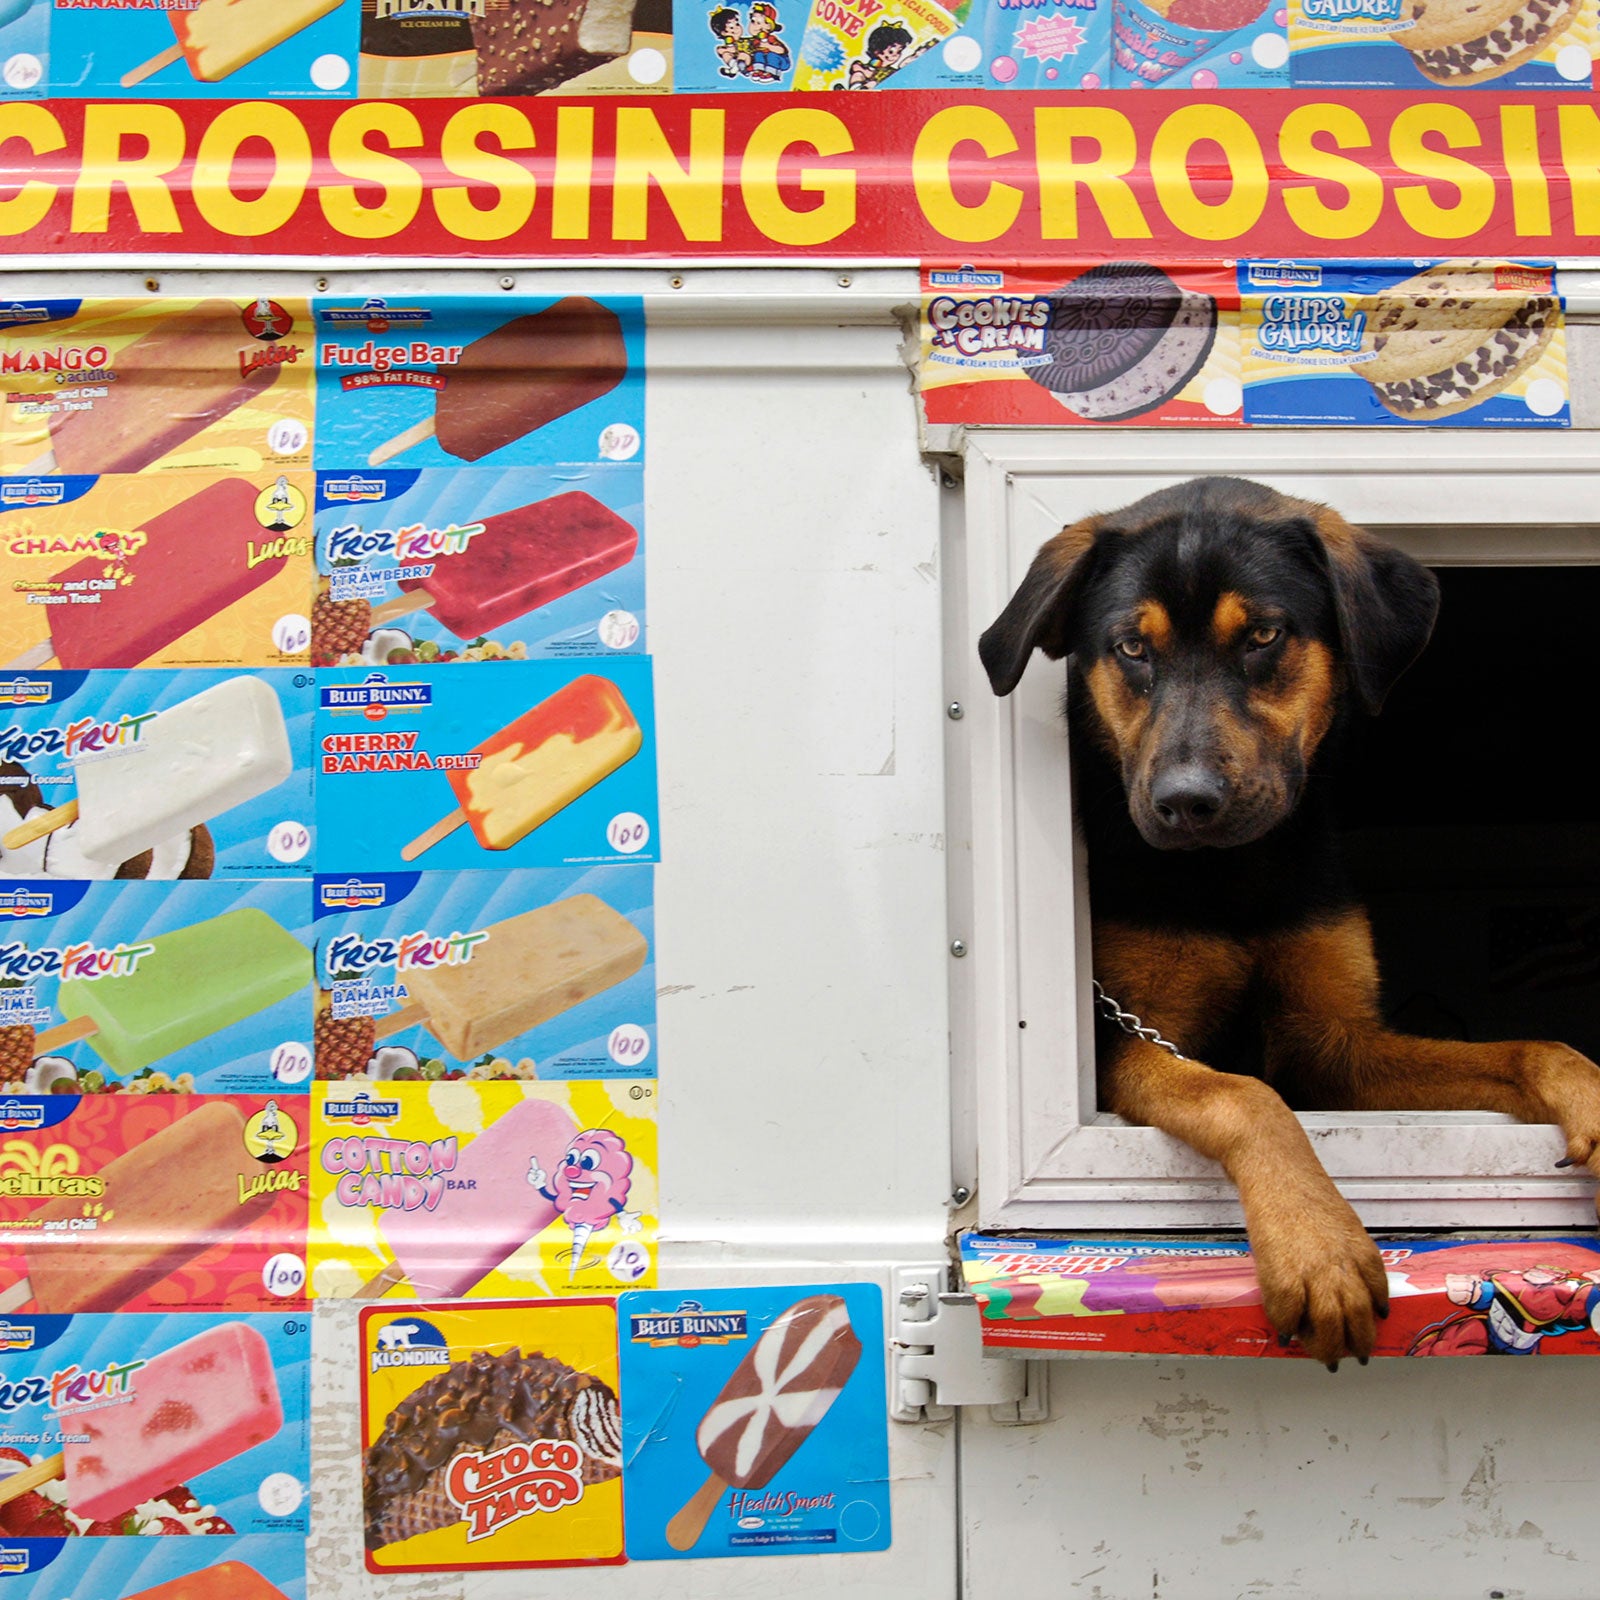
831, 1495
93, 1343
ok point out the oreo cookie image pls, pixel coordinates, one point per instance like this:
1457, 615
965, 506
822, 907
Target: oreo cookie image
1450, 338
1123, 338
1463, 42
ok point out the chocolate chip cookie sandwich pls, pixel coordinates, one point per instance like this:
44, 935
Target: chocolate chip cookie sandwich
1459, 43
1451, 337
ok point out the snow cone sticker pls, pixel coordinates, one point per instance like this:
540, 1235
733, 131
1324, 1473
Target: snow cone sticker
528, 1473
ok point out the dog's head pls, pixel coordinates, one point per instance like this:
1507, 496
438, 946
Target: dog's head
1218, 628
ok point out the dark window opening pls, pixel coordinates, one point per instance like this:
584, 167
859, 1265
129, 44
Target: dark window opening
1472, 829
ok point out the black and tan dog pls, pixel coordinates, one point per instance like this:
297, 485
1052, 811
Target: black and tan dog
1221, 635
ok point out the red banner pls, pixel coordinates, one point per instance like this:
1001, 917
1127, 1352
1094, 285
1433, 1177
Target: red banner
907, 175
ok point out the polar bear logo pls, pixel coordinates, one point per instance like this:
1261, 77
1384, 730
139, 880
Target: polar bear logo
397, 1336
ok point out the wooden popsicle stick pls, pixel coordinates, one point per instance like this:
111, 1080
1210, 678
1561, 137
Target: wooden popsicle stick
376, 1288
31, 659
154, 65
64, 1034
442, 829
19, 1483
16, 1297
684, 1531
402, 442
401, 605
414, 1015
43, 465
46, 822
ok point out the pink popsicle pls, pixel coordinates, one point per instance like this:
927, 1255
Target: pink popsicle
489, 1211
194, 1406
524, 559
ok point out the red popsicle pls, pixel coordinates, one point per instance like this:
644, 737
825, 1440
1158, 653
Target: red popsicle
193, 565
522, 560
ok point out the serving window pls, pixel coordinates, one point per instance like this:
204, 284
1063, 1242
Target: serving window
1471, 826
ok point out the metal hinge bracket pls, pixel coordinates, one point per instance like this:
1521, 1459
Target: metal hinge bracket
937, 1362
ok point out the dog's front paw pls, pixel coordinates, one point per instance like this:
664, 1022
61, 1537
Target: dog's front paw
1569, 1083
1323, 1283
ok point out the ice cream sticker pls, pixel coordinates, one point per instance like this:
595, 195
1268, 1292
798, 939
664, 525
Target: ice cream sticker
152, 1425
530, 1474
755, 1421
459, 1189
255, 1567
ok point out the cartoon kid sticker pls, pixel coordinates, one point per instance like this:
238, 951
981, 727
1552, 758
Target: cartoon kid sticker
1510, 1313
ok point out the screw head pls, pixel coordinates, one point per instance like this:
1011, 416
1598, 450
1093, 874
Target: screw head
958, 947
321, 286
152, 284
676, 281
960, 1195
508, 283
844, 281
955, 711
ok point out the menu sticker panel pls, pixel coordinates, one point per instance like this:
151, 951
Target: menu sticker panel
201, 569
483, 1190
756, 1421
98, 387
486, 975
143, 988
532, 1474
152, 1203
192, 773
1461, 343
256, 1567
156, 1425
456, 380
478, 566
1112, 345
534, 764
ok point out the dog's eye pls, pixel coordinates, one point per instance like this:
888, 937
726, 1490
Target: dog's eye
1263, 636
1133, 649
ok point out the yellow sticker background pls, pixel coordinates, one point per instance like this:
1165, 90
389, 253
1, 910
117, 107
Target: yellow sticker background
584, 1337
236, 442
239, 636
347, 1248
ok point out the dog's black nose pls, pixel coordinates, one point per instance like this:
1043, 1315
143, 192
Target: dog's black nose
1188, 797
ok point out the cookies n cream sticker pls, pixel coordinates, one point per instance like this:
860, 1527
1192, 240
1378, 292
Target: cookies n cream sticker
1465, 342
1117, 343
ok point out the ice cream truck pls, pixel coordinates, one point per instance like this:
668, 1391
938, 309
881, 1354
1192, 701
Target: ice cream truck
547, 1011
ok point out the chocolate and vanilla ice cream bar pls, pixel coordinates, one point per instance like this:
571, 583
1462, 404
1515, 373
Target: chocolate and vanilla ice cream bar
782, 1389
529, 969
171, 383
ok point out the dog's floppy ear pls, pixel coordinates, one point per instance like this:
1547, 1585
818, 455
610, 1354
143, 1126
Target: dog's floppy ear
1039, 614
1386, 604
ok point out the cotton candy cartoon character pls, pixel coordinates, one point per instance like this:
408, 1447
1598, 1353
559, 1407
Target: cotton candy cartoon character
589, 1188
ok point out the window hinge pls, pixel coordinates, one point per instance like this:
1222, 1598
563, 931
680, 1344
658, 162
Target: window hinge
938, 1363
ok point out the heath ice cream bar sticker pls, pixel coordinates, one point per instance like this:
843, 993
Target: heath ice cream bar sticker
156, 774
147, 988
486, 975
491, 565
187, 1424
1465, 343
155, 571
1185, 1296
493, 1436
118, 386
152, 1203
235, 49
254, 1567
756, 1421
534, 764
1443, 44
486, 1190
507, 383
1116, 344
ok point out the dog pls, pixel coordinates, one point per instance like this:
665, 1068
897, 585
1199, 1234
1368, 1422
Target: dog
1222, 638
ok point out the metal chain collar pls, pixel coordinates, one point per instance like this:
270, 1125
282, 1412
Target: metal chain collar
1129, 1022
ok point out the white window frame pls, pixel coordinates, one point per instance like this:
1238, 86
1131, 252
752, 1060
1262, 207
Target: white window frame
1026, 1122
